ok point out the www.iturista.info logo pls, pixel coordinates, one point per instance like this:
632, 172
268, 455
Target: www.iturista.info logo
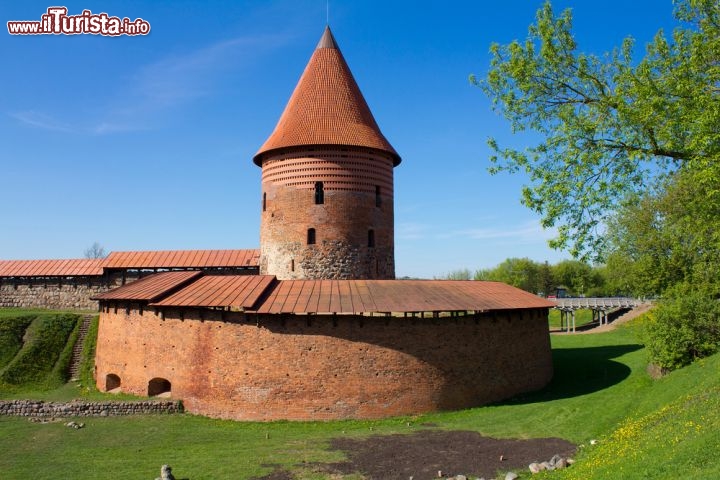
57, 22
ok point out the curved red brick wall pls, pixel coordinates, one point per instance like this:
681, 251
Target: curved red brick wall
325, 367
350, 177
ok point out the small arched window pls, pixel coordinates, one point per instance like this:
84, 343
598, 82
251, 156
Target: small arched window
378, 199
159, 386
311, 236
319, 193
112, 382
371, 238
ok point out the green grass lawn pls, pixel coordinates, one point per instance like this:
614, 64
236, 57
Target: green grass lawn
646, 428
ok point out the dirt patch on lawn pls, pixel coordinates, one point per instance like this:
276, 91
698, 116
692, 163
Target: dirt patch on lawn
422, 454
276, 475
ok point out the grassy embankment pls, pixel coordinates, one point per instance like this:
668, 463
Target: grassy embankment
35, 350
646, 428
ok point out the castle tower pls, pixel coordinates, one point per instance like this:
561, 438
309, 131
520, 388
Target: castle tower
327, 180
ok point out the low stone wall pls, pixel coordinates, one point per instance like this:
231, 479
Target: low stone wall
72, 293
31, 408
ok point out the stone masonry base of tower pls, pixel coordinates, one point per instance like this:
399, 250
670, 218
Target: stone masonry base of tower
314, 367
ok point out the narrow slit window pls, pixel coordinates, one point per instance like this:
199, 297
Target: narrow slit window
371, 238
378, 199
311, 236
319, 193
264, 202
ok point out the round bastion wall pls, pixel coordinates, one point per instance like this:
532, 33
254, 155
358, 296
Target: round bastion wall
250, 367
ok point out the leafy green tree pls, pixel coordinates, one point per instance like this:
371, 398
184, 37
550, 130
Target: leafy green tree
683, 328
518, 272
484, 274
668, 243
543, 278
461, 274
610, 126
574, 275
669, 237
546, 279
643, 260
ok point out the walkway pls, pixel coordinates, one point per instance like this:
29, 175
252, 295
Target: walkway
601, 307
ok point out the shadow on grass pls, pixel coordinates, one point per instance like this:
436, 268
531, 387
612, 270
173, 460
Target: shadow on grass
579, 371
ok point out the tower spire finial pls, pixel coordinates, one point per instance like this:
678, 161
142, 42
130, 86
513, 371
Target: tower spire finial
327, 40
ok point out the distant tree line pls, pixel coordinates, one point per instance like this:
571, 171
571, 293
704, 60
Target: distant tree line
578, 278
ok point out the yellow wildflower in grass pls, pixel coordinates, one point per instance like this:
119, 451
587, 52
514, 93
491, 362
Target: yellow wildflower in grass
635, 446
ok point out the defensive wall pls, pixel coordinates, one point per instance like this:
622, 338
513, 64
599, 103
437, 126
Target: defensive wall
70, 284
308, 367
58, 293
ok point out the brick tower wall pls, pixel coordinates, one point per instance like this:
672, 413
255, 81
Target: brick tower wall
357, 196
269, 367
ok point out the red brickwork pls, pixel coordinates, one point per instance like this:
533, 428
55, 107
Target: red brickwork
357, 198
256, 367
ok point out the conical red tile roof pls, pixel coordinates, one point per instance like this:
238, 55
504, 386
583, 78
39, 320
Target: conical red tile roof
326, 108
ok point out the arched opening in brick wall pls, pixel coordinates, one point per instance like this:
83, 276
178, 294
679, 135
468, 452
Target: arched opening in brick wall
112, 382
159, 386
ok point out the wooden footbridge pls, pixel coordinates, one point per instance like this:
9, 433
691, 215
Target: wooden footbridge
600, 306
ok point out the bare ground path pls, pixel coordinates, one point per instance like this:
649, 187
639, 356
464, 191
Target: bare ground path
423, 454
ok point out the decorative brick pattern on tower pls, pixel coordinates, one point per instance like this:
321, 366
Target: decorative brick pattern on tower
327, 181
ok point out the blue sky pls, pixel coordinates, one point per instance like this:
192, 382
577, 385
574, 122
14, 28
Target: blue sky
146, 142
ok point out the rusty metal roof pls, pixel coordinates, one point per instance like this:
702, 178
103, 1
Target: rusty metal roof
366, 296
184, 259
326, 108
51, 268
151, 287
234, 291
123, 260
265, 294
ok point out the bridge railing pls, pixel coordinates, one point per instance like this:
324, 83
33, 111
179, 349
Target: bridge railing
598, 303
